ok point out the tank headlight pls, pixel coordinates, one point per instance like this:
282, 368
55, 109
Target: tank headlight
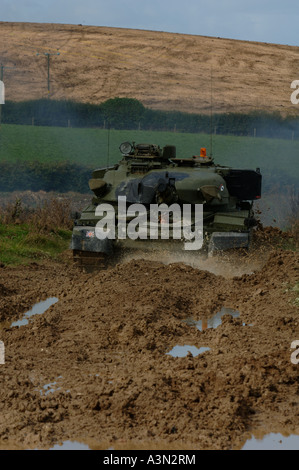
126, 148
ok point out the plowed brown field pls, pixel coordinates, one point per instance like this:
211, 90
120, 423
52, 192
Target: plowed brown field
164, 71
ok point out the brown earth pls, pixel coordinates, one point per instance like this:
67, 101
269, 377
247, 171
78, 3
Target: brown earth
164, 71
94, 367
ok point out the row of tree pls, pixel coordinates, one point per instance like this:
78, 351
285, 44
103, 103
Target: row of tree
127, 113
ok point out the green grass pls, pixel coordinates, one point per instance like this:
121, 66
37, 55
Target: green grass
19, 244
90, 147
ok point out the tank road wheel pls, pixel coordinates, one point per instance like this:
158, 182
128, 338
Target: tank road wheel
89, 260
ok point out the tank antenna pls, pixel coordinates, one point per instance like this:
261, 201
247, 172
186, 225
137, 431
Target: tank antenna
108, 143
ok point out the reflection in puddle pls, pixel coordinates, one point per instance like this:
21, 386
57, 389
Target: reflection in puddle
37, 309
273, 442
213, 322
182, 351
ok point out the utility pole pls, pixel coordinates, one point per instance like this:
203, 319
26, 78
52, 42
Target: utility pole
48, 54
2, 68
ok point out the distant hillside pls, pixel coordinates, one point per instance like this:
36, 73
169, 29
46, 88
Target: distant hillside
164, 71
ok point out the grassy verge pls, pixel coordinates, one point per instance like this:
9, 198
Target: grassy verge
28, 235
21, 245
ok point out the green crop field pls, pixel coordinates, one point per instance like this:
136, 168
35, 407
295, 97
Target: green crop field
99, 147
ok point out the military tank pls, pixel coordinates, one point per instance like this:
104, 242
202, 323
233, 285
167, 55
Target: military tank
150, 178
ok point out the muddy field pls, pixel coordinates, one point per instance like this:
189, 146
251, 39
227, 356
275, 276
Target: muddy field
95, 367
166, 71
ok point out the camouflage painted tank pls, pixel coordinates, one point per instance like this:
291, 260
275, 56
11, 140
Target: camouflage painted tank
151, 176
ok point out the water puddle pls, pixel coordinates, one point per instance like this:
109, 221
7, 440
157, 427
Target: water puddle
37, 309
273, 441
182, 351
214, 321
70, 445
50, 387
201, 325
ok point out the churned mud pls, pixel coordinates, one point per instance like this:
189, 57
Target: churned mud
95, 368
